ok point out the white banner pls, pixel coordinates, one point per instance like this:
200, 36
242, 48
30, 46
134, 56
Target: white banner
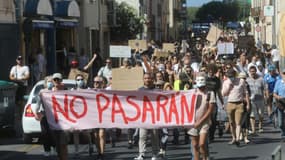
86, 109
225, 48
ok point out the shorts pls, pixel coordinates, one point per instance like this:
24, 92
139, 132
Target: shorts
198, 131
235, 112
257, 108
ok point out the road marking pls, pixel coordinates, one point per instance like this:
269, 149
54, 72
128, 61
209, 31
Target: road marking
28, 148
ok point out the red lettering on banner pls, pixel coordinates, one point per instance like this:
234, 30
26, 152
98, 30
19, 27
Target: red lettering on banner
100, 107
186, 109
173, 110
147, 107
119, 110
78, 116
136, 106
161, 103
57, 108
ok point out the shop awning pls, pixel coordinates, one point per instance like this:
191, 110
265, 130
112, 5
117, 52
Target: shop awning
60, 22
42, 24
38, 8
67, 9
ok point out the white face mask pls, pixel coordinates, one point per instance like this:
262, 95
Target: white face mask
200, 82
80, 84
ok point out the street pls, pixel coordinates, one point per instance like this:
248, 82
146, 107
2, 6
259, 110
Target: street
260, 148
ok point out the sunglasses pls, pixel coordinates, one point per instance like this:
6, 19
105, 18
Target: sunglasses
56, 79
98, 82
79, 79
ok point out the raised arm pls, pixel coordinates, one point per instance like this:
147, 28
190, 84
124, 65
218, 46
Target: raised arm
90, 62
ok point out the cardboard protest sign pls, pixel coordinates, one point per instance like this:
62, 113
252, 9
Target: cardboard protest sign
245, 42
127, 79
214, 34
74, 71
88, 109
138, 44
120, 51
225, 48
168, 47
282, 35
160, 53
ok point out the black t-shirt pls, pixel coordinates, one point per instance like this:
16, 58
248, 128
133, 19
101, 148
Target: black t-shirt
213, 84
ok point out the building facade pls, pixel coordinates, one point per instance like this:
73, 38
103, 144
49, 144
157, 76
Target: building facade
94, 27
9, 37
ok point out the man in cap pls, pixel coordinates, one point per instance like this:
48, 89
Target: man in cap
20, 74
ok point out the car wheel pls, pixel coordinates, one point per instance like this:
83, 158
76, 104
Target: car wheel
27, 139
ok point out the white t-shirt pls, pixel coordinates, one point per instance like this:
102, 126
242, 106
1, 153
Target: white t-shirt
19, 72
275, 55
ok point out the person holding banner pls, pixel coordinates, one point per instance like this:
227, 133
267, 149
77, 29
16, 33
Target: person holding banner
38, 110
100, 133
81, 85
61, 137
148, 86
204, 108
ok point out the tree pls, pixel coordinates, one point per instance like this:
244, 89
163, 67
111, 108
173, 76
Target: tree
218, 10
128, 24
191, 12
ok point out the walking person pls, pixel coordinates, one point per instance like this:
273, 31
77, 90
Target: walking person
39, 112
235, 89
279, 95
199, 133
99, 133
270, 80
214, 84
61, 136
257, 92
148, 86
81, 85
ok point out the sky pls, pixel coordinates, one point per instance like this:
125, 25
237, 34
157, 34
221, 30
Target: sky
197, 3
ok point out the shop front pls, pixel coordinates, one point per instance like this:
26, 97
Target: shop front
66, 19
38, 29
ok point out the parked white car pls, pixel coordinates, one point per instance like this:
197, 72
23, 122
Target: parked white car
31, 127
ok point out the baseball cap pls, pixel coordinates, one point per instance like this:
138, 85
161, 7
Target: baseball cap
57, 75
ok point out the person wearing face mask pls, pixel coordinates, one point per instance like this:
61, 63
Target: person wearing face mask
204, 108
236, 90
38, 110
80, 85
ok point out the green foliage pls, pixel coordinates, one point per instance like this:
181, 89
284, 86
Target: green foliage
191, 12
216, 10
128, 23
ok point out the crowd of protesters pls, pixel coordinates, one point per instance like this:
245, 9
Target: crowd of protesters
241, 87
